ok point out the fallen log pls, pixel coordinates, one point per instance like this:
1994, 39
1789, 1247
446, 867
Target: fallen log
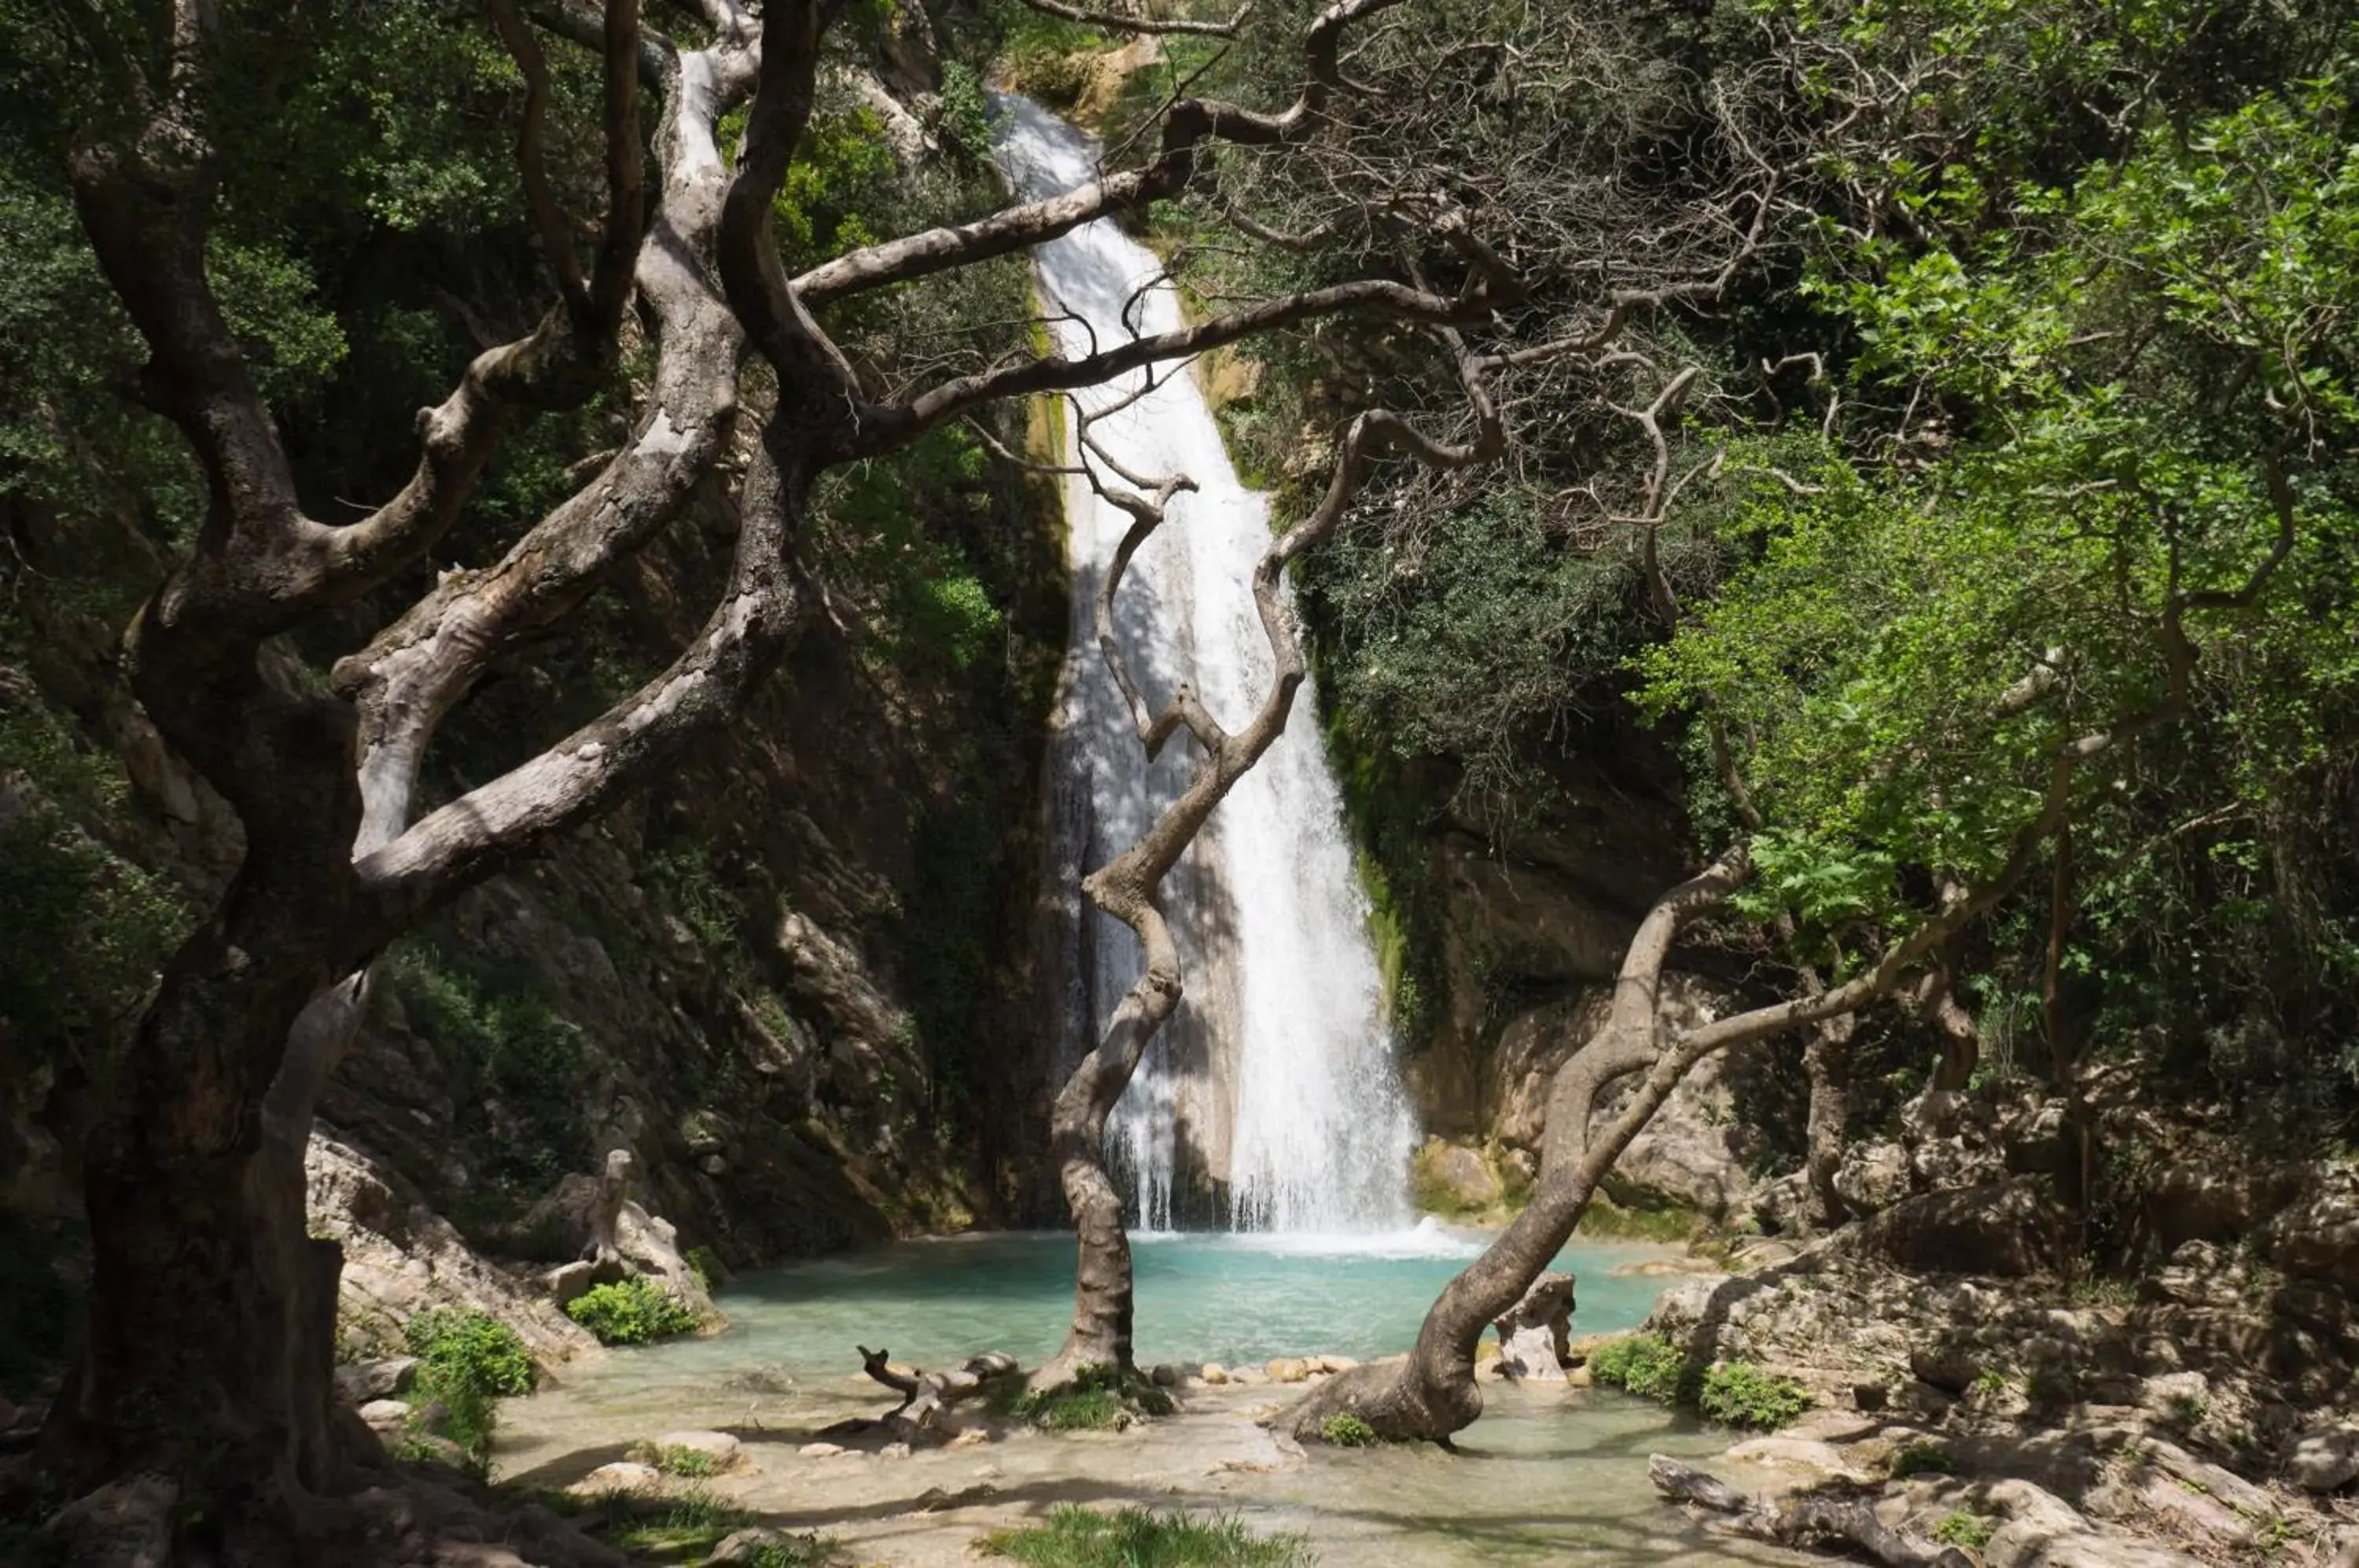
927, 1396
1809, 1520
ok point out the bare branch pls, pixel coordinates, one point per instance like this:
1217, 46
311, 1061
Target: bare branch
1114, 22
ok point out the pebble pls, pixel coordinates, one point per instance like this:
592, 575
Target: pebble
822, 1450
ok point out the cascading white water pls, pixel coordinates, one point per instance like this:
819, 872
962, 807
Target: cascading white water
1279, 1070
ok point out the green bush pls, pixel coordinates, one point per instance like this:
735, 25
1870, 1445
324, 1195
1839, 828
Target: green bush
1076, 1537
1647, 1364
1738, 1393
631, 1311
1347, 1431
468, 1359
1962, 1529
1923, 1459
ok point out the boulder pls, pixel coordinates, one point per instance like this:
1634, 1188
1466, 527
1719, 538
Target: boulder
749, 1545
1336, 1363
1873, 1177
381, 1379
385, 1415
2317, 1237
1215, 1372
1534, 1335
126, 1524
1288, 1369
2325, 1458
1451, 1175
622, 1475
2002, 1228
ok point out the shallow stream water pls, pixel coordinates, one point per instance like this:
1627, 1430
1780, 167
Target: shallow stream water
1543, 1477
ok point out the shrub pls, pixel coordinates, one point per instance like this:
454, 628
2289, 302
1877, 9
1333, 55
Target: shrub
1921, 1459
1962, 1529
1647, 1364
1738, 1393
1347, 1431
631, 1311
468, 1359
1076, 1537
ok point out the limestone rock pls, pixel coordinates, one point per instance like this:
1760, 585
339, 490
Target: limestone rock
2318, 1236
386, 1415
969, 1437
1214, 1373
1873, 1177
747, 1545
622, 1475
2000, 1229
1164, 1376
1288, 1369
128, 1524
2326, 1458
646, 1243
380, 1379
894, 1451
822, 1450
402, 1258
1336, 1363
1456, 1175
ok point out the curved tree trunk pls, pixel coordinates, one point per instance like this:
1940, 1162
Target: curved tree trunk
1433, 1393
1827, 1064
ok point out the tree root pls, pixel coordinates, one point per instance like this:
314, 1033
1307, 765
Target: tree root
1376, 1393
1802, 1520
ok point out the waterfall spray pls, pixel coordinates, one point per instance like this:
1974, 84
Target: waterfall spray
1278, 1069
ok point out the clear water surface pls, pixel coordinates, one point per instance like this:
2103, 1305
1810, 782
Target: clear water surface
1202, 1296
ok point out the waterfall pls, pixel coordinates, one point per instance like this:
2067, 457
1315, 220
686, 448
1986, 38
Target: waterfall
1276, 1079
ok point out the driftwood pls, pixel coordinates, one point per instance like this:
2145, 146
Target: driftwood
927, 1396
1804, 1521
1536, 1333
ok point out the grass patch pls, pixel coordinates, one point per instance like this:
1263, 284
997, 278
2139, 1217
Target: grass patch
1738, 1393
1139, 1538
684, 1529
1962, 1529
1096, 1399
631, 1311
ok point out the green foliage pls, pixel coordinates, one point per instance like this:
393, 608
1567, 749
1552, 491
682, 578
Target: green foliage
1345, 1429
40, 1307
692, 1462
85, 928
507, 1049
1468, 639
468, 1359
1921, 1458
1645, 1365
631, 1311
1962, 1529
1075, 1537
1738, 1393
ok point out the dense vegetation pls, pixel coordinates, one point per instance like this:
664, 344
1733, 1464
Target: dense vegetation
2031, 413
